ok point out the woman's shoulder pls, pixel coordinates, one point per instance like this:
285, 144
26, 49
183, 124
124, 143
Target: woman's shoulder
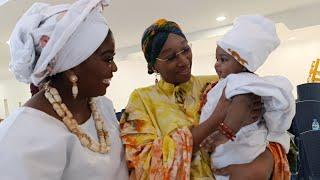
33, 139
204, 79
144, 93
105, 101
27, 125
107, 109
144, 89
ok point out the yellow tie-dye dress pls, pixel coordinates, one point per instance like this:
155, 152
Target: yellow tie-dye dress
155, 131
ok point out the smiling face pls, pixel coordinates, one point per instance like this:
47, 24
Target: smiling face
226, 64
95, 73
177, 67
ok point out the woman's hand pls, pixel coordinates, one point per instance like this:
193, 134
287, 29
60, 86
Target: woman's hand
260, 168
213, 141
256, 110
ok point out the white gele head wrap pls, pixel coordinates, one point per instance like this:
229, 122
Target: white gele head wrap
251, 40
51, 39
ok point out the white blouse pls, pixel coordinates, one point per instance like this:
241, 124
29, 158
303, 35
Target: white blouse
36, 146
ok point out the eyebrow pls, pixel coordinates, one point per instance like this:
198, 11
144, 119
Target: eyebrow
168, 49
106, 52
222, 55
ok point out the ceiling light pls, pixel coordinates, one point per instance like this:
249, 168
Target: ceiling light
221, 18
8, 42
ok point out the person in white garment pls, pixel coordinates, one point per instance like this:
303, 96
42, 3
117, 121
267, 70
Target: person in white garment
239, 54
68, 130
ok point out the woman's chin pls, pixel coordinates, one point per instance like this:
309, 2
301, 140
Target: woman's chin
100, 92
183, 78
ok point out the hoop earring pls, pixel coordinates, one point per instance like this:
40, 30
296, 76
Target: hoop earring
74, 79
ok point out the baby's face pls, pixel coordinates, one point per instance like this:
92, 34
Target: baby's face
226, 64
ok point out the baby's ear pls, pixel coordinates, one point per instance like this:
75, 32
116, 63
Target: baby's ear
43, 41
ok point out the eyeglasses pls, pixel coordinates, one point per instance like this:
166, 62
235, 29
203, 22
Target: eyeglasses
185, 51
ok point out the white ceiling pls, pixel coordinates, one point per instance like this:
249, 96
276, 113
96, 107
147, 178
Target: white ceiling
128, 18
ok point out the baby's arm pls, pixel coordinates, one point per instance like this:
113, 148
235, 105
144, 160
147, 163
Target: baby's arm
238, 112
237, 116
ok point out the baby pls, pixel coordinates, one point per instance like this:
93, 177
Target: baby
239, 54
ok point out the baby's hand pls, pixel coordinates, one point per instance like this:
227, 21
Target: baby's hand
212, 141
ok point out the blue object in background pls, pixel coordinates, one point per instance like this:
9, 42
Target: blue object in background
315, 125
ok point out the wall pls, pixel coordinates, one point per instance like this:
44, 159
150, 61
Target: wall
14, 92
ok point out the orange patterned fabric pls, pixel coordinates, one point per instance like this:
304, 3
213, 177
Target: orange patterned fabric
179, 166
281, 169
163, 166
